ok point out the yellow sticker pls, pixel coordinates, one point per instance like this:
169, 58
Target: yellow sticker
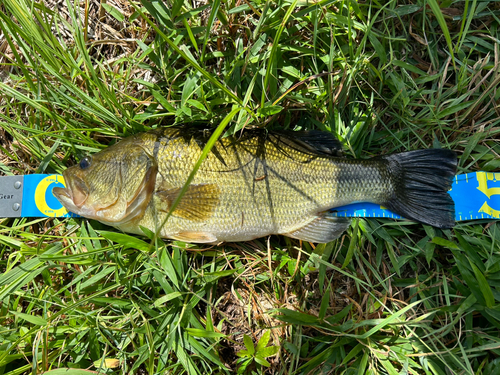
483, 178
41, 202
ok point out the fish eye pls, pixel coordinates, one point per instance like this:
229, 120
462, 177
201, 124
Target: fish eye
84, 163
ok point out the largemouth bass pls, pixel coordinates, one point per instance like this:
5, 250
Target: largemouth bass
252, 186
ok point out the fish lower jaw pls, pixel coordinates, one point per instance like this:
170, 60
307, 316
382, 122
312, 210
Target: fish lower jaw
65, 199
97, 215
85, 212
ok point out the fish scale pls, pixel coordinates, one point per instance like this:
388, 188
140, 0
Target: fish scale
245, 207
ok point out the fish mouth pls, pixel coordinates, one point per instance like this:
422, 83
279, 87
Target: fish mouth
74, 195
62, 194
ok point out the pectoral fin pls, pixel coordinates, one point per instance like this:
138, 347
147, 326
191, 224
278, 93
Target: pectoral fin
197, 204
321, 230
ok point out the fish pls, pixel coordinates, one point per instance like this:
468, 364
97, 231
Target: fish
252, 185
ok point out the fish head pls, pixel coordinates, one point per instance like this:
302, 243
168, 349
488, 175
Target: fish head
113, 186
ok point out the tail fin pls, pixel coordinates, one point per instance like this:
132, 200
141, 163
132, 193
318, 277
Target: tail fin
421, 180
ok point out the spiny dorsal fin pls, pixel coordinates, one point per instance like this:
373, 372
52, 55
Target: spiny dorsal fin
197, 203
313, 141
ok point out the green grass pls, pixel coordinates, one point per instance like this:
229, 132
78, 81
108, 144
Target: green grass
387, 297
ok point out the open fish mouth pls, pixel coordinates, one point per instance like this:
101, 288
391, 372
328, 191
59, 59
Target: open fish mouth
62, 194
74, 195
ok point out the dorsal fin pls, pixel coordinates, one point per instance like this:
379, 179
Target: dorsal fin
311, 141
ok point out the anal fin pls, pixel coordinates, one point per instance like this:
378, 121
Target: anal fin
321, 230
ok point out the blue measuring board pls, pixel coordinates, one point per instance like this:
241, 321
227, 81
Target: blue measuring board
476, 196
38, 200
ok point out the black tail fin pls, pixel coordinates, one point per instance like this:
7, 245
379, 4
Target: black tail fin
421, 180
